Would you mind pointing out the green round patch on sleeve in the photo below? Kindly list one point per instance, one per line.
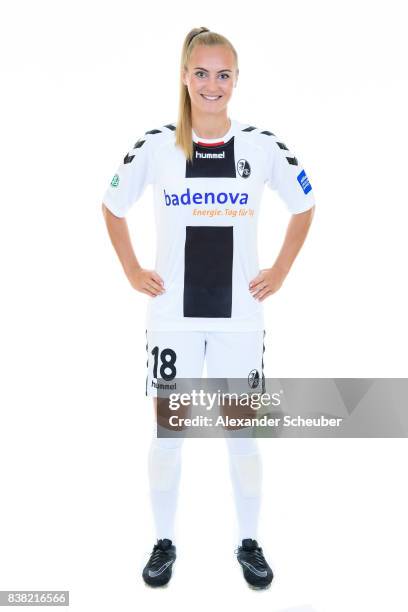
(115, 180)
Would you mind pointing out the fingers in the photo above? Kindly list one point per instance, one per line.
(157, 278)
(259, 287)
(155, 281)
(148, 292)
(262, 292)
(154, 289)
(153, 285)
(265, 294)
(255, 282)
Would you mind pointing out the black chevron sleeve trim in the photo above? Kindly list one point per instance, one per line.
(292, 160)
(170, 126)
(153, 132)
(282, 145)
(267, 133)
(128, 158)
(139, 143)
(249, 129)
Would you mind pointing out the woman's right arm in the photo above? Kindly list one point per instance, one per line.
(145, 281)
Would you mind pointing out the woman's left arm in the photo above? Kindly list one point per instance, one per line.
(269, 280)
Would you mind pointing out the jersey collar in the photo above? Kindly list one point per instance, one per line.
(213, 142)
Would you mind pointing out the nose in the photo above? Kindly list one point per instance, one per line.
(213, 86)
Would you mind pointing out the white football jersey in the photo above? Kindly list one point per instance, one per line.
(206, 214)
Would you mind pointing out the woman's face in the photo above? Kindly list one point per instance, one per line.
(210, 77)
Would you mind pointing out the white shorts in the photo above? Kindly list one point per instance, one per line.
(181, 354)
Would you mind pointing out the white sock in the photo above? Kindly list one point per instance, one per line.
(246, 475)
(164, 468)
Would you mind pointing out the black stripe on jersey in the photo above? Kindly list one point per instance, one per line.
(249, 129)
(268, 133)
(208, 256)
(282, 145)
(170, 126)
(204, 165)
(292, 160)
(153, 132)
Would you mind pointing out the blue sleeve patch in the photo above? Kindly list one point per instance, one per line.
(304, 182)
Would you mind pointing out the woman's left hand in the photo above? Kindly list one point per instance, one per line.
(267, 282)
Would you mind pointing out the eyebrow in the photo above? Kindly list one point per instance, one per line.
(205, 69)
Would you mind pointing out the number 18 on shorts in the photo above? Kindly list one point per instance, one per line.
(173, 355)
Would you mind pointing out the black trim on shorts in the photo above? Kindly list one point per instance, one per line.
(263, 375)
(147, 362)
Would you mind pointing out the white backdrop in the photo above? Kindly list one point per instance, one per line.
(81, 82)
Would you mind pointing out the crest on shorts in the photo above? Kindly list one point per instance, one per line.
(253, 379)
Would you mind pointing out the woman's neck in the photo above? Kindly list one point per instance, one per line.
(213, 127)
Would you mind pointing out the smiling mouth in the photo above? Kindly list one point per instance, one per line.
(210, 98)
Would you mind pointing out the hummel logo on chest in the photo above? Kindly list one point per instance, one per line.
(210, 155)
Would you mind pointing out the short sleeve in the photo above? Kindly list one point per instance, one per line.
(131, 179)
(286, 175)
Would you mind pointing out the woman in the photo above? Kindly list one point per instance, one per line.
(208, 173)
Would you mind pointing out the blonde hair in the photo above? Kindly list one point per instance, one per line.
(196, 36)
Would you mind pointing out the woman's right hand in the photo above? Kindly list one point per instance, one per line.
(146, 281)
